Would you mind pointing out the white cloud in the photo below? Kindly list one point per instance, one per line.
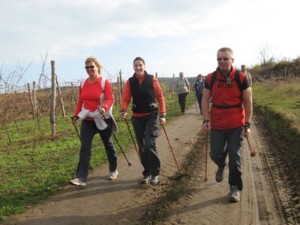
(174, 35)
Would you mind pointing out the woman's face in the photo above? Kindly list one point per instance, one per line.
(91, 69)
(139, 68)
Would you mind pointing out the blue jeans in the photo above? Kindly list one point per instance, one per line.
(88, 130)
(146, 131)
(228, 142)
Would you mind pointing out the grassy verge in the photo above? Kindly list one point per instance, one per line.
(279, 103)
(34, 165)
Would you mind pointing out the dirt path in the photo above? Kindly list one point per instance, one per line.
(126, 201)
(207, 203)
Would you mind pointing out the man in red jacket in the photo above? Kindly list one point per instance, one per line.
(229, 118)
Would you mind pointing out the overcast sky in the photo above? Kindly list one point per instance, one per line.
(171, 35)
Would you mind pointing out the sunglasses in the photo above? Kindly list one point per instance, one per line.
(228, 82)
(89, 67)
(224, 59)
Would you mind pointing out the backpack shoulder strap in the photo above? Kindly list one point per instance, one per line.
(103, 90)
(213, 79)
(103, 84)
(186, 82)
(237, 78)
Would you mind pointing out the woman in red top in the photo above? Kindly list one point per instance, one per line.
(145, 92)
(94, 108)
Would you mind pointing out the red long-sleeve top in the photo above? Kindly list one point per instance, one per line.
(89, 96)
(158, 94)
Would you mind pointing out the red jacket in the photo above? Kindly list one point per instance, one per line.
(227, 109)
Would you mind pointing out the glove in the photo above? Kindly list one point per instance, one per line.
(162, 119)
(123, 114)
(206, 124)
(246, 129)
(74, 119)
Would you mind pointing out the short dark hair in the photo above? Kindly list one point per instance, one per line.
(139, 59)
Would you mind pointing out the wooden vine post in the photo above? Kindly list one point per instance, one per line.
(74, 93)
(120, 85)
(33, 100)
(53, 99)
(60, 98)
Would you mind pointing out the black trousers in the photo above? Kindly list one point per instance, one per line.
(146, 130)
(88, 130)
(199, 100)
(182, 101)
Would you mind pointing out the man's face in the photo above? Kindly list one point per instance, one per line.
(225, 60)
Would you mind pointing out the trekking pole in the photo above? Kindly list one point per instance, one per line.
(132, 139)
(252, 151)
(129, 164)
(170, 147)
(196, 103)
(77, 132)
(206, 154)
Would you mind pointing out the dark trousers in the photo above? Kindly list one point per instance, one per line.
(199, 100)
(228, 142)
(88, 130)
(146, 131)
(182, 101)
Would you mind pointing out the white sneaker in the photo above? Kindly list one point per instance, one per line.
(78, 182)
(154, 180)
(234, 194)
(113, 175)
(146, 179)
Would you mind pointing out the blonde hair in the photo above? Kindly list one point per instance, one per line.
(96, 61)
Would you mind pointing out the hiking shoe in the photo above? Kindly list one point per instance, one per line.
(234, 194)
(220, 174)
(154, 180)
(78, 182)
(113, 175)
(146, 179)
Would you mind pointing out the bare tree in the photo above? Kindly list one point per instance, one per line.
(43, 79)
(266, 57)
(12, 81)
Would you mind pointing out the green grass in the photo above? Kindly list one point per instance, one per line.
(279, 102)
(34, 165)
(283, 98)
